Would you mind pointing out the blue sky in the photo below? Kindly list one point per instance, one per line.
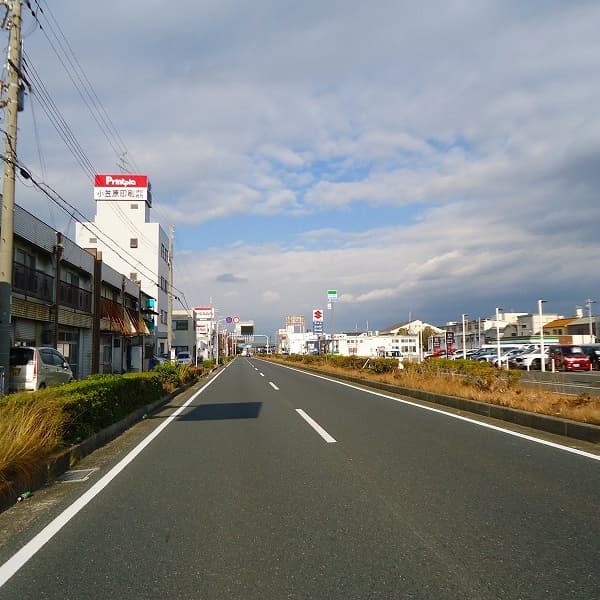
(431, 158)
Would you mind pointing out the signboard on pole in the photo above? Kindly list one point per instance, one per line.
(318, 320)
(332, 295)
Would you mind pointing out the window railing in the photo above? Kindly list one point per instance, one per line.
(74, 297)
(32, 282)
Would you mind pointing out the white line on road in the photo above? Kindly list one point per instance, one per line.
(262, 374)
(523, 436)
(13, 564)
(316, 427)
(273, 385)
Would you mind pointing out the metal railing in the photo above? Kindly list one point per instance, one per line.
(32, 282)
(74, 297)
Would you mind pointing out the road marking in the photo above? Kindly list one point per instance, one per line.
(256, 368)
(524, 436)
(13, 564)
(262, 374)
(316, 427)
(273, 385)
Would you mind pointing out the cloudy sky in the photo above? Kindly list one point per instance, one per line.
(423, 158)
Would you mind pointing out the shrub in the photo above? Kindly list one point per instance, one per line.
(99, 401)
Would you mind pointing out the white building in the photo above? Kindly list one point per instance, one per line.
(130, 242)
(368, 344)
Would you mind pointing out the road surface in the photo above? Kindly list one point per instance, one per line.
(272, 484)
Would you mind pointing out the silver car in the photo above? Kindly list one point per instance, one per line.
(34, 368)
(184, 358)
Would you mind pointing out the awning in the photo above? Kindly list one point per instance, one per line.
(139, 325)
(112, 318)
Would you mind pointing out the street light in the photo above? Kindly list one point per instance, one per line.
(498, 334)
(589, 303)
(464, 344)
(542, 356)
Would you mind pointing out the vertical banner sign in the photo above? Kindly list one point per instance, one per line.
(318, 320)
(332, 295)
(450, 348)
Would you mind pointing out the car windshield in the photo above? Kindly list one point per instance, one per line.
(183, 355)
(574, 350)
(20, 356)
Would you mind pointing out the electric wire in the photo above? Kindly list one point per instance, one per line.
(89, 225)
(56, 118)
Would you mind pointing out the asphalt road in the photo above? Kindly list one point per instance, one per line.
(240, 497)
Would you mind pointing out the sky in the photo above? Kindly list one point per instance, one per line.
(425, 159)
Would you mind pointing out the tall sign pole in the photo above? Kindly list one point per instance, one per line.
(8, 191)
(170, 294)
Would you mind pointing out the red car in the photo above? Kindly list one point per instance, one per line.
(569, 358)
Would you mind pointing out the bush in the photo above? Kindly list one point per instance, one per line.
(101, 400)
(479, 374)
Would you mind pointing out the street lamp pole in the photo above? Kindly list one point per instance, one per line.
(589, 303)
(542, 353)
(498, 334)
(464, 338)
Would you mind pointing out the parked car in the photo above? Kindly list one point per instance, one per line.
(593, 351)
(184, 358)
(530, 360)
(157, 359)
(34, 368)
(569, 358)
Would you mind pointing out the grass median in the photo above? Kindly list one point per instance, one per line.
(472, 380)
(35, 426)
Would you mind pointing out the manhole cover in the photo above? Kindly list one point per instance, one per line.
(76, 475)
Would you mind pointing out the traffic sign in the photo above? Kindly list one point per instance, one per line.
(332, 295)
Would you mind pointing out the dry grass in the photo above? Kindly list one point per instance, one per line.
(29, 431)
(583, 408)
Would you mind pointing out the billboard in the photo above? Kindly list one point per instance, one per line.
(204, 313)
(122, 187)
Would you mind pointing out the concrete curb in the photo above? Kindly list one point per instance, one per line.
(565, 427)
(55, 466)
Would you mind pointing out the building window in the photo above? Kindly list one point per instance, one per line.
(93, 241)
(133, 206)
(133, 243)
(180, 325)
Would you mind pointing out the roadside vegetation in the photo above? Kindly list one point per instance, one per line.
(35, 426)
(473, 380)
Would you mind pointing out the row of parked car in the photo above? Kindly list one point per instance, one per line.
(560, 357)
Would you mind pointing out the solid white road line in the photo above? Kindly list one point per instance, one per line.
(13, 564)
(523, 436)
(273, 385)
(316, 426)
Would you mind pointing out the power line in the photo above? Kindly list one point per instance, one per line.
(54, 115)
(57, 199)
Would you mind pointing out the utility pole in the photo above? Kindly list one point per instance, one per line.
(170, 294)
(8, 191)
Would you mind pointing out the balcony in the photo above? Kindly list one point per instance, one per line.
(74, 297)
(32, 282)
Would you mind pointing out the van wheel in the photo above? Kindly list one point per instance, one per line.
(42, 386)
(536, 364)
